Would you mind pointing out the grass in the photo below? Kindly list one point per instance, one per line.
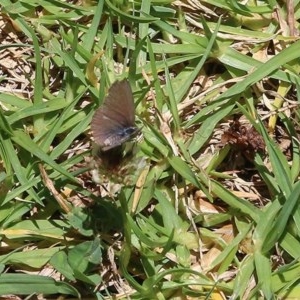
(206, 206)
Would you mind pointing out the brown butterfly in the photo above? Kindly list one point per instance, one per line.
(113, 123)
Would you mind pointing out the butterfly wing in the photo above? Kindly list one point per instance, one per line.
(120, 103)
(113, 122)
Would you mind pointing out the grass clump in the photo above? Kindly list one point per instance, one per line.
(212, 211)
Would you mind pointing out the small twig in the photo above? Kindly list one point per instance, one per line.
(49, 184)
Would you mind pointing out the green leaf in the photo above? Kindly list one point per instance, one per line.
(23, 284)
(24, 141)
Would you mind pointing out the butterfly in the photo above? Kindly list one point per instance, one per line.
(114, 122)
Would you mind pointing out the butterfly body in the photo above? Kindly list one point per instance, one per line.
(117, 138)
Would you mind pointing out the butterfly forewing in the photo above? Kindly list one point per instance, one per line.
(113, 122)
(119, 103)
